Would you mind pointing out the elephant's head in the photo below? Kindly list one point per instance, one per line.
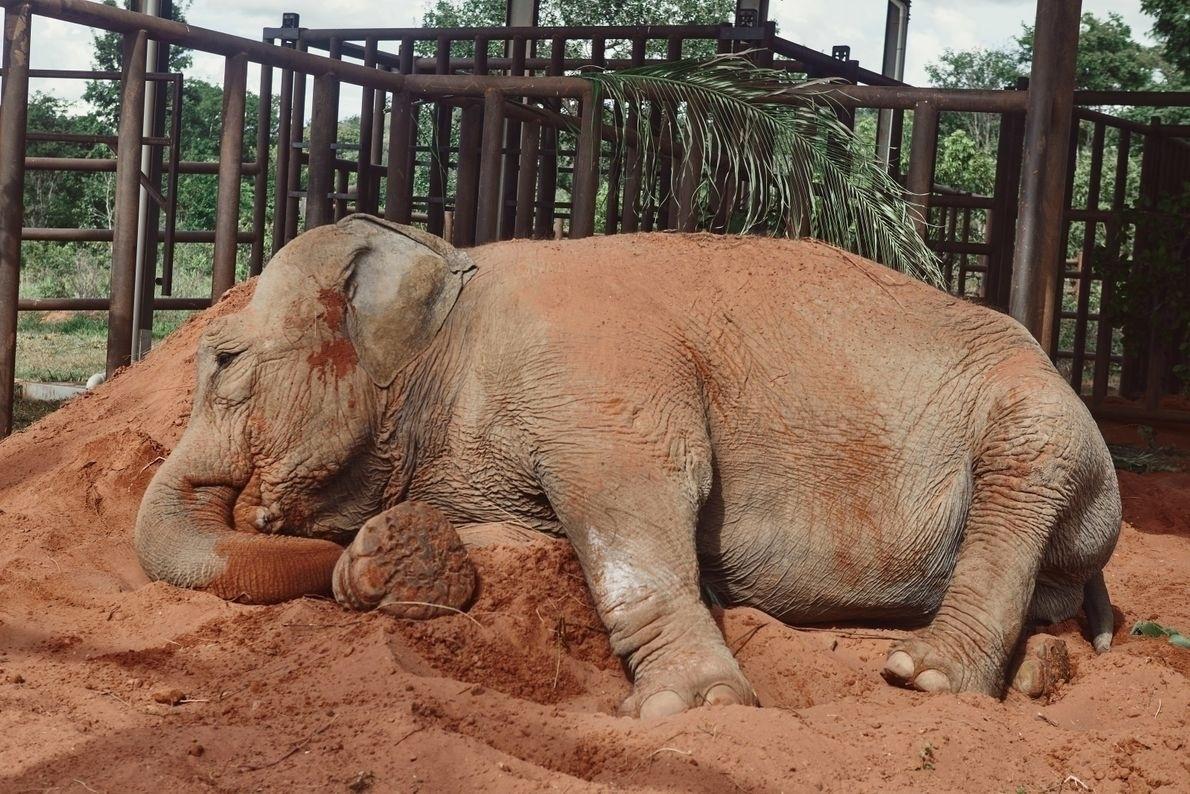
(290, 446)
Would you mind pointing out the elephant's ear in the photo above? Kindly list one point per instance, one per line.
(400, 285)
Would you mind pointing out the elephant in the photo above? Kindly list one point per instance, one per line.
(707, 419)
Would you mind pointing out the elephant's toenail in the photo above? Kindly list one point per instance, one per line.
(721, 695)
(932, 681)
(899, 665)
(367, 543)
(662, 704)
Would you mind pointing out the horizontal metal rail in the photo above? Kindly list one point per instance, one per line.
(103, 304)
(57, 235)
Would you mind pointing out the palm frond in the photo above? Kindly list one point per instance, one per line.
(758, 159)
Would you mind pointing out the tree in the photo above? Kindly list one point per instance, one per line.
(1171, 26)
(1108, 57)
(108, 55)
(486, 13)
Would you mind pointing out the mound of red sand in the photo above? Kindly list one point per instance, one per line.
(110, 683)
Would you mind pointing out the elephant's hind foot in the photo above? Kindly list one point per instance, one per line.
(407, 561)
(1044, 665)
(681, 682)
(924, 663)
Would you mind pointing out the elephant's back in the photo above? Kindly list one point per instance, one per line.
(793, 299)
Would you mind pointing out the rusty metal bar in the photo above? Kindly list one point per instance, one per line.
(399, 186)
(109, 165)
(323, 131)
(489, 163)
(1037, 257)
(547, 182)
(923, 150)
(472, 126)
(103, 304)
(66, 235)
(260, 183)
(123, 273)
(1001, 231)
(440, 148)
(284, 137)
(527, 180)
(342, 188)
(15, 106)
(294, 179)
(1111, 253)
(1088, 252)
(171, 186)
(586, 168)
(688, 184)
(512, 151)
(231, 154)
(151, 182)
(364, 179)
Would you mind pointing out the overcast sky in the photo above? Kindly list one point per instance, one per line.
(934, 25)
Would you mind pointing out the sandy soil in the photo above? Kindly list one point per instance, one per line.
(110, 683)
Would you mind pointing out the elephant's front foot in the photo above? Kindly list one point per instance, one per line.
(407, 561)
(929, 663)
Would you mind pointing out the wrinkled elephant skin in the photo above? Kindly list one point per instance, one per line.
(774, 423)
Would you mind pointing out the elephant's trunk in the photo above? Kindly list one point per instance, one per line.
(184, 536)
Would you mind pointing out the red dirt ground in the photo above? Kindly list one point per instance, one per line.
(518, 695)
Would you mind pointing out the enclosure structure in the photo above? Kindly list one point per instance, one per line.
(486, 134)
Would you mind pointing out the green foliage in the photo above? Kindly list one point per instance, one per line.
(804, 170)
(1171, 26)
(1108, 57)
(964, 165)
(1151, 628)
(488, 13)
(108, 55)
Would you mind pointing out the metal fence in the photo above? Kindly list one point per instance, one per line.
(484, 134)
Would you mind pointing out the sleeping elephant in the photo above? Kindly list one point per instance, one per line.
(760, 422)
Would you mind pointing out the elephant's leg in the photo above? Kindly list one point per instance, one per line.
(1023, 481)
(633, 531)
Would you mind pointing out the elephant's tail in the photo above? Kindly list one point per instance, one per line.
(1101, 621)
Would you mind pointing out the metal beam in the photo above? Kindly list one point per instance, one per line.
(1037, 260)
(123, 275)
(14, 103)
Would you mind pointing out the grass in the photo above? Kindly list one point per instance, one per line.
(26, 412)
(70, 347)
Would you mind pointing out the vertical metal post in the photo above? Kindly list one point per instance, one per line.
(14, 103)
(512, 150)
(586, 168)
(923, 150)
(440, 149)
(1111, 254)
(284, 149)
(487, 222)
(1037, 258)
(399, 175)
(367, 129)
(260, 183)
(323, 130)
(297, 130)
(467, 190)
(123, 275)
(231, 157)
(1086, 276)
(171, 202)
(1001, 231)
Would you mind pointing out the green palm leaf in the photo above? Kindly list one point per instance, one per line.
(779, 161)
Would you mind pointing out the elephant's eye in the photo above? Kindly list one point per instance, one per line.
(224, 357)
